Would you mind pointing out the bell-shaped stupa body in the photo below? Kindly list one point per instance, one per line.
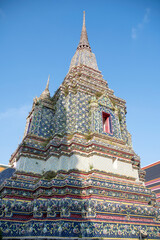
(83, 54)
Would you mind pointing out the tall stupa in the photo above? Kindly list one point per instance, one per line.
(77, 175)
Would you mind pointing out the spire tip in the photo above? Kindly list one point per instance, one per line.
(84, 44)
(48, 81)
(83, 18)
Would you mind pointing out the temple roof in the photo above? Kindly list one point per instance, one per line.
(83, 54)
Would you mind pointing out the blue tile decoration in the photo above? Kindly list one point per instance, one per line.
(77, 204)
(59, 208)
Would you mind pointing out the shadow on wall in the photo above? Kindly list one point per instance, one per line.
(5, 174)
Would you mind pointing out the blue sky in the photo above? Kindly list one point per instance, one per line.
(38, 38)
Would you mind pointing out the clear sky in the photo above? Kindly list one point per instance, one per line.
(38, 38)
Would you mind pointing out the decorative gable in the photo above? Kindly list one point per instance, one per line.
(105, 101)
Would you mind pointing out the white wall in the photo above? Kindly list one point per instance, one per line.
(78, 162)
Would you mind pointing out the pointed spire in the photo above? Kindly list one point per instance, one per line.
(47, 86)
(84, 20)
(84, 38)
(46, 93)
(83, 54)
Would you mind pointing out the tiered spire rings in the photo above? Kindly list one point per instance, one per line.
(84, 38)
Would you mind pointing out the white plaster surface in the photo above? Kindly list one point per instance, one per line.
(77, 162)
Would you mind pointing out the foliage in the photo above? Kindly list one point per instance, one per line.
(66, 91)
(69, 137)
(120, 117)
(98, 94)
(88, 136)
(49, 175)
(79, 74)
(91, 166)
